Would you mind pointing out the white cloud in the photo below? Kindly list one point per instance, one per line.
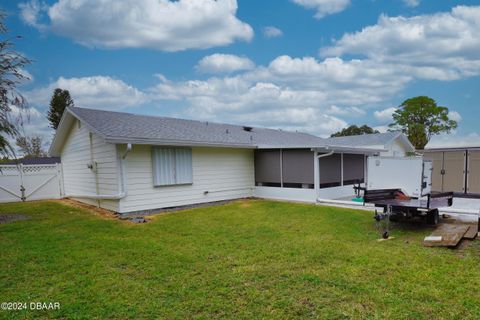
(304, 93)
(442, 46)
(341, 76)
(345, 111)
(224, 63)
(272, 32)
(454, 115)
(324, 7)
(162, 24)
(454, 140)
(293, 119)
(412, 3)
(293, 93)
(100, 92)
(385, 114)
(92, 92)
(30, 13)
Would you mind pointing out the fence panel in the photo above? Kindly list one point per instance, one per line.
(30, 182)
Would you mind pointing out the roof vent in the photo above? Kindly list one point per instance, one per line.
(248, 129)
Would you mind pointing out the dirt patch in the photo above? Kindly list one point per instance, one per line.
(104, 213)
(152, 214)
(157, 212)
(245, 203)
(6, 218)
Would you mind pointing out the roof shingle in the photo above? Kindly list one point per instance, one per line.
(132, 127)
(373, 139)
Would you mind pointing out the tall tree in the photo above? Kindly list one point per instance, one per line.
(420, 118)
(12, 75)
(61, 99)
(31, 146)
(353, 130)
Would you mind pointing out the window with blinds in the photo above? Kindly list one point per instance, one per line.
(172, 166)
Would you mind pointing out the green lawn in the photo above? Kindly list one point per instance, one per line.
(248, 259)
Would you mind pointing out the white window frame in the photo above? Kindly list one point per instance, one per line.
(185, 180)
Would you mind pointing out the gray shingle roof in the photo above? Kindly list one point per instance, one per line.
(374, 139)
(126, 127)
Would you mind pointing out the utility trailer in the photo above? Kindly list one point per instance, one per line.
(402, 188)
(397, 206)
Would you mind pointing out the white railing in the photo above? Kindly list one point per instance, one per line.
(30, 182)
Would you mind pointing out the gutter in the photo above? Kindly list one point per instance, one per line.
(182, 143)
(344, 149)
(118, 196)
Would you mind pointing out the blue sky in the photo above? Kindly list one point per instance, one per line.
(308, 65)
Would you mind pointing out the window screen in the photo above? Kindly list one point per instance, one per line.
(172, 166)
(330, 171)
(267, 166)
(297, 166)
(353, 168)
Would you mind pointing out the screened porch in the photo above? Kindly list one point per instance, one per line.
(307, 174)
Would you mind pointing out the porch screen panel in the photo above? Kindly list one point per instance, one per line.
(330, 171)
(353, 168)
(297, 166)
(267, 166)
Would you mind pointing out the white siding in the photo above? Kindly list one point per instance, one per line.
(288, 194)
(78, 178)
(395, 149)
(224, 172)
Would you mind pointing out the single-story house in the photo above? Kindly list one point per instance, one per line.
(136, 163)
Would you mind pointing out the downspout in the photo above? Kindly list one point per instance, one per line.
(324, 155)
(122, 194)
(93, 166)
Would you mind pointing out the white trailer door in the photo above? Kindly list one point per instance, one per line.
(396, 173)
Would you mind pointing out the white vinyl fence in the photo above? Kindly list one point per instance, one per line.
(30, 182)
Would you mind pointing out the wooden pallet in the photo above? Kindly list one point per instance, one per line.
(447, 235)
(472, 232)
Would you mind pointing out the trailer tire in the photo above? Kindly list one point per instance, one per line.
(433, 217)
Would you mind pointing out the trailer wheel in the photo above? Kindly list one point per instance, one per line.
(433, 217)
(385, 235)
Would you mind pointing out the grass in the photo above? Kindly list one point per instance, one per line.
(248, 259)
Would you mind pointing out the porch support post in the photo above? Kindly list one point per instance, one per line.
(281, 168)
(341, 169)
(365, 174)
(316, 173)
